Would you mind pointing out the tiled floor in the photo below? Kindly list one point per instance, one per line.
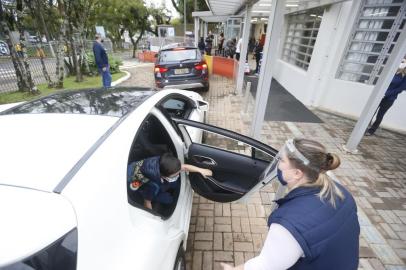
(376, 177)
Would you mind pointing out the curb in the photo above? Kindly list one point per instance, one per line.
(126, 77)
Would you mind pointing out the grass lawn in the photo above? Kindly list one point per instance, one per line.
(68, 83)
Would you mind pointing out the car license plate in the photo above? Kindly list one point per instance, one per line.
(181, 71)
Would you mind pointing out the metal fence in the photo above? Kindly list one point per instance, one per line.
(8, 78)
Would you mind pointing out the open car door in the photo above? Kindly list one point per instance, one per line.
(240, 165)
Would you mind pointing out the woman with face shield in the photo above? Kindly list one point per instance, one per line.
(315, 225)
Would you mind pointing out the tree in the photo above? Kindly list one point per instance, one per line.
(9, 22)
(35, 11)
(194, 5)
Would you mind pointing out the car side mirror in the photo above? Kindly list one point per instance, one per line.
(203, 106)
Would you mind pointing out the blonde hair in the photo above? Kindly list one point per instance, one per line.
(319, 163)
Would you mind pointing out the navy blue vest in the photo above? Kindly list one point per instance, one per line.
(328, 236)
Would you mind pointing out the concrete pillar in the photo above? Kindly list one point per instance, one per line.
(244, 49)
(196, 30)
(275, 23)
(205, 30)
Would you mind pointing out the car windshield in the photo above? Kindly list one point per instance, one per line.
(178, 55)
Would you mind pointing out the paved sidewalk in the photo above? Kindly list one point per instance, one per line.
(376, 177)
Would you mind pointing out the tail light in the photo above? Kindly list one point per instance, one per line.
(159, 69)
(201, 66)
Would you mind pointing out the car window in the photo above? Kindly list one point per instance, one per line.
(62, 255)
(225, 143)
(178, 55)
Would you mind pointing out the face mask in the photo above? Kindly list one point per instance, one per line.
(171, 179)
(280, 178)
(402, 65)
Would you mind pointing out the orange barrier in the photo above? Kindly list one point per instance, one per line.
(224, 66)
(146, 56)
(217, 65)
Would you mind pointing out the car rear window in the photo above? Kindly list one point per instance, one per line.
(178, 55)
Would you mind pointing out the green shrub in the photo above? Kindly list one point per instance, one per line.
(114, 62)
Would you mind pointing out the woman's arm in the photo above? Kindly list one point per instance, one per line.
(280, 251)
(191, 168)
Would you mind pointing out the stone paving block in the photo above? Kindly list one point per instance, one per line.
(205, 213)
(238, 258)
(386, 254)
(222, 228)
(209, 226)
(243, 246)
(207, 260)
(228, 243)
(248, 255)
(206, 206)
(257, 242)
(205, 236)
(242, 237)
(226, 210)
(218, 209)
(366, 252)
(223, 256)
(236, 224)
(197, 260)
(372, 235)
(218, 241)
(222, 220)
(203, 245)
(388, 230)
(258, 221)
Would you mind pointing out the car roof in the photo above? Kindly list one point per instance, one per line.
(112, 102)
(177, 46)
(42, 140)
(38, 150)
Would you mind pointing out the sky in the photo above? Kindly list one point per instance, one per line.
(167, 4)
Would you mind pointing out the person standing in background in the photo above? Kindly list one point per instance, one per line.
(397, 85)
(102, 61)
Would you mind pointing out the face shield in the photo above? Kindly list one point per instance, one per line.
(288, 150)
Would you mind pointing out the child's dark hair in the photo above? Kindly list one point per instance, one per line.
(168, 164)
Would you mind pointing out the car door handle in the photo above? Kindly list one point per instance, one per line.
(204, 160)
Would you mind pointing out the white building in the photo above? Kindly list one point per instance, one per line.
(331, 53)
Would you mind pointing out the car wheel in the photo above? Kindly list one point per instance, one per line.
(180, 262)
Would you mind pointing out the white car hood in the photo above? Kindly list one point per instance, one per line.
(30, 221)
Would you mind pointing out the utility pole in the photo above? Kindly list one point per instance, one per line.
(184, 15)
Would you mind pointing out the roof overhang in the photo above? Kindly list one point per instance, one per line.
(209, 17)
(260, 8)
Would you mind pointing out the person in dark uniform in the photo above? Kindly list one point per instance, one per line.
(397, 85)
(102, 61)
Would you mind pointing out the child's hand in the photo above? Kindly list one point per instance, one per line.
(205, 172)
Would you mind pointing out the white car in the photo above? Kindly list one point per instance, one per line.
(65, 202)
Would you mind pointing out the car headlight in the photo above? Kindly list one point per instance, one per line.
(61, 255)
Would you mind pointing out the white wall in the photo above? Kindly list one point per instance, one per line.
(318, 86)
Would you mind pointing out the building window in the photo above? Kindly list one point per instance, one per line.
(374, 35)
(301, 34)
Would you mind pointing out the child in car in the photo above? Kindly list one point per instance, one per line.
(155, 178)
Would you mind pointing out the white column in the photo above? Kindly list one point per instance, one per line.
(244, 49)
(196, 31)
(275, 22)
(378, 92)
(205, 30)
